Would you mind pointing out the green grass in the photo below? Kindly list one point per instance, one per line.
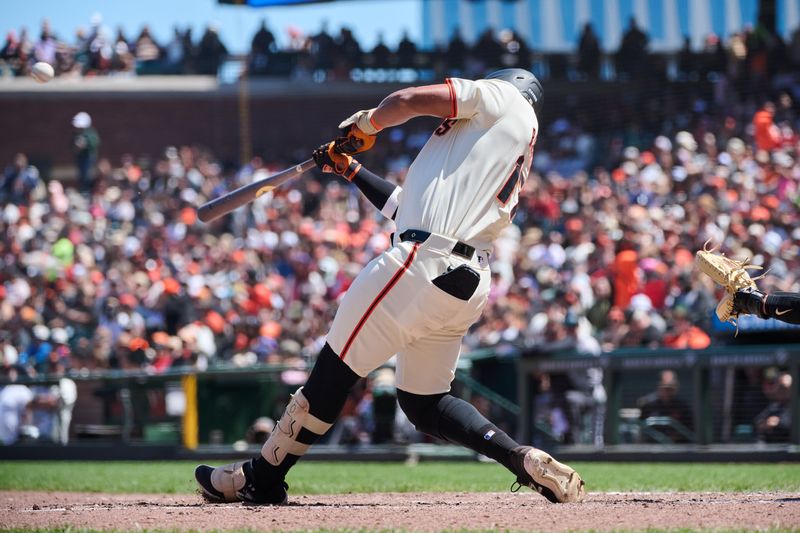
(176, 477)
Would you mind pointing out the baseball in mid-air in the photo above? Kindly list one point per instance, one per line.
(42, 72)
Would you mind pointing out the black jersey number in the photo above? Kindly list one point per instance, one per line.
(511, 182)
(445, 126)
(516, 177)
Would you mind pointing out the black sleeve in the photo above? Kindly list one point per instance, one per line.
(376, 189)
(784, 306)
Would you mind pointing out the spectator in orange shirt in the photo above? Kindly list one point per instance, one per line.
(626, 277)
(766, 133)
(685, 335)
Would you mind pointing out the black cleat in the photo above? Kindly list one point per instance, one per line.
(202, 474)
(235, 482)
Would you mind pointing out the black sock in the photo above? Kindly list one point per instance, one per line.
(452, 419)
(461, 423)
(784, 306)
(326, 390)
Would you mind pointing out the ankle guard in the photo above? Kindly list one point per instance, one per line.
(229, 479)
(283, 439)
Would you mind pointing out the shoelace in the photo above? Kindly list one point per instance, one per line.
(517, 485)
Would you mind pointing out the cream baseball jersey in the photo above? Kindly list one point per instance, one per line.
(465, 182)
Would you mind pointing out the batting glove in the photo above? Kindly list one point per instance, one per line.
(329, 160)
(354, 141)
(362, 120)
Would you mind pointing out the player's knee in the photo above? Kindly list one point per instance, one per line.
(422, 410)
(330, 371)
(330, 382)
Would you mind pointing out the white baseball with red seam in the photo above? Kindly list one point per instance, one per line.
(42, 72)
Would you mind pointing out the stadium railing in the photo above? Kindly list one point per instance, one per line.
(709, 387)
(183, 408)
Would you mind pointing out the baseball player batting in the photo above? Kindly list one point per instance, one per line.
(418, 298)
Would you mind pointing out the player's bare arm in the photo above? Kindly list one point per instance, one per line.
(395, 109)
(403, 105)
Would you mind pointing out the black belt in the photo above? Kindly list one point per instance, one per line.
(464, 250)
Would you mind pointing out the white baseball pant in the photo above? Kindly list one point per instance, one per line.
(393, 308)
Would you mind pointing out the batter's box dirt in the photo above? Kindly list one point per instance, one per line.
(410, 511)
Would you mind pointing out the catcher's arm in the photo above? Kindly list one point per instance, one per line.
(730, 274)
(381, 193)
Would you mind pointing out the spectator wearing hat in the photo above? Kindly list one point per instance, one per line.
(37, 353)
(773, 424)
(641, 331)
(684, 334)
(665, 403)
(60, 340)
(85, 144)
(18, 181)
(9, 355)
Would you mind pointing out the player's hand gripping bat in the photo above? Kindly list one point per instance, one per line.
(353, 142)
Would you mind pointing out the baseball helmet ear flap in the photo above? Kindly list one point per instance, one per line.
(526, 83)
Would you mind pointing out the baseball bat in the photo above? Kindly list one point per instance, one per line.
(247, 193)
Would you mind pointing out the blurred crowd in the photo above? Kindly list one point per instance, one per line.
(96, 52)
(113, 271)
(605, 258)
(753, 54)
(121, 275)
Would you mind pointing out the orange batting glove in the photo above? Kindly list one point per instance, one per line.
(329, 160)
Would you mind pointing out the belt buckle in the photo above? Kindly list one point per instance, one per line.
(459, 246)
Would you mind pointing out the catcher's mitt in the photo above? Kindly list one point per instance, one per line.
(729, 273)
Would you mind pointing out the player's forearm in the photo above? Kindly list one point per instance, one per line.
(784, 306)
(405, 104)
(381, 193)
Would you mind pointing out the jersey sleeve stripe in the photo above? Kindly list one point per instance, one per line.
(390, 208)
(453, 101)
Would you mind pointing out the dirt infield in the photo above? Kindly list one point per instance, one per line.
(418, 512)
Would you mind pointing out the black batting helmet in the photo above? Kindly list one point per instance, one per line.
(527, 84)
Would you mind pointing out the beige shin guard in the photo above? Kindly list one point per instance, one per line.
(283, 439)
